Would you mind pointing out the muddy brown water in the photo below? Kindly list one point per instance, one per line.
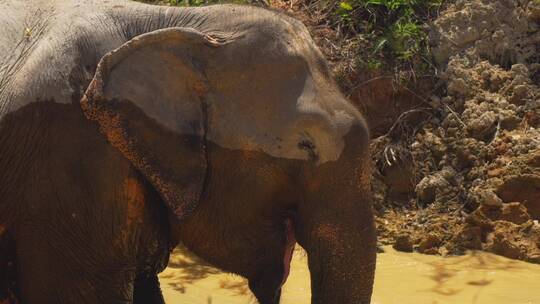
(401, 278)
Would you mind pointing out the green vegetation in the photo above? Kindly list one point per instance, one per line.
(395, 29)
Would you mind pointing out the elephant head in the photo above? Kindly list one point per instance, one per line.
(251, 146)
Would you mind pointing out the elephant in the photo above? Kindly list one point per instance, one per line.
(127, 129)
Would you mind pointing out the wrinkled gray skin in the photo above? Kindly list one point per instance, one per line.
(126, 128)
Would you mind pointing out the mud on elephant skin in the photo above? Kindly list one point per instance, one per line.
(127, 128)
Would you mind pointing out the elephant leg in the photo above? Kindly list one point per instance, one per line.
(8, 287)
(147, 290)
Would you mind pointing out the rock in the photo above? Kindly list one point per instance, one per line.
(521, 92)
(515, 213)
(479, 219)
(535, 233)
(498, 243)
(469, 237)
(403, 243)
(485, 215)
(533, 159)
(533, 257)
(428, 243)
(515, 241)
(489, 198)
(524, 188)
(431, 251)
(510, 121)
(433, 185)
(484, 126)
(520, 70)
(426, 189)
(503, 241)
(478, 196)
(435, 144)
(443, 251)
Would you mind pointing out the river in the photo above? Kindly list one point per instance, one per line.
(401, 278)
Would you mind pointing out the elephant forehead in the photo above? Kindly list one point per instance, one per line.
(286, 120)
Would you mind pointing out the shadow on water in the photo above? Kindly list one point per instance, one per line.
(443, 270)
(239, 288)
(187, 269)
(192, 269)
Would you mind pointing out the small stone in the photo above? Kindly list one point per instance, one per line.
(533, 258)
(488, 198)
(403, 243)
(496, 172)
(431, 251)
(521, 92)
(483, 126)
(430, 241)
(443, 251)
(520, 69)
(433, 185)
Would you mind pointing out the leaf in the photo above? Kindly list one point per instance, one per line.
(380, 45)
(346, 6)
(375, 2)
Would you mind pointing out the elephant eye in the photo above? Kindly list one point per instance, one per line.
(309, 147)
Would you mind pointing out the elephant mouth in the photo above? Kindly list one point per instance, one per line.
(289, 250)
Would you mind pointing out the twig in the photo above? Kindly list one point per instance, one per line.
(401, 117)
(368, 81)
(447, 106)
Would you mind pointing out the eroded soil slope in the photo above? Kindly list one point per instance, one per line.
(468, 176)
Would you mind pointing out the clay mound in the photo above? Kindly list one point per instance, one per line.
(476, 162)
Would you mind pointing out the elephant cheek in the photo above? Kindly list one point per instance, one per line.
(134, 197)
(289, 250)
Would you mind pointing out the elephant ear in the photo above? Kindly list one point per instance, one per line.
(147, 97)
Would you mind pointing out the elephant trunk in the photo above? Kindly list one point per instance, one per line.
(335, 225)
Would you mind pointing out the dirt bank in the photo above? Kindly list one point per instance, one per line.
(473, 168)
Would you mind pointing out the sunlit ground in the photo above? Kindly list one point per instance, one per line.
(401, 278)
